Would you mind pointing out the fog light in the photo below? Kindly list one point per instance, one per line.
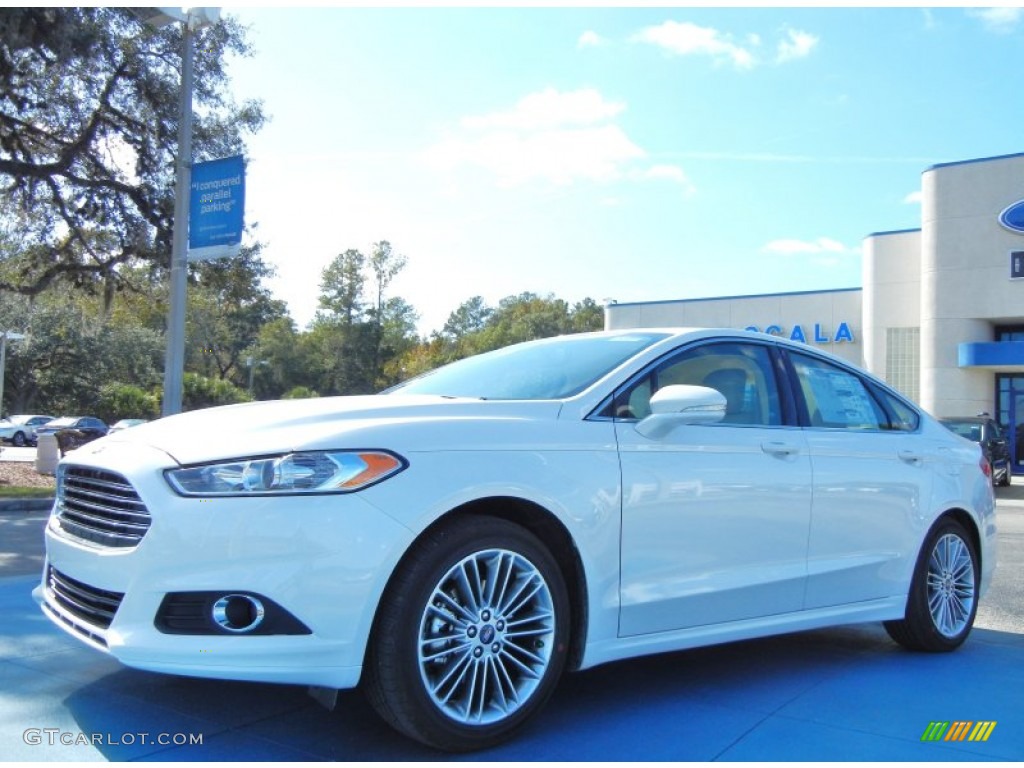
(238, 613)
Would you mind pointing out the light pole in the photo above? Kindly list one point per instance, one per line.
(4, 336)
(192, 20)
(251, 362)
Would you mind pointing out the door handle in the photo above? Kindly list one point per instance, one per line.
(778, 448)
(910, 457)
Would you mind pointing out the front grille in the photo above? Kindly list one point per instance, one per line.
(92, 607)
(101, 507)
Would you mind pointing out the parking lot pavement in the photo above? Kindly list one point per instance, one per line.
(829, 695)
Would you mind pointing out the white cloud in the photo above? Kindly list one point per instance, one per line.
(914, 198)
(590, 39)
(796, 45)
(672, 173)
(1002, 20)
(790, 247)
(550, 108)
(551, 136)
(559, 156)
(686, 39)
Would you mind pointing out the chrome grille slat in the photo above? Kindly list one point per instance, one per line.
(85, 496)
(136, 529)
(81, 504)
(109, 482)
(101, 507)
(95, 607)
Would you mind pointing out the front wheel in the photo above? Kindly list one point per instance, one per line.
(19, 439)
(471, 637)
(943, 598)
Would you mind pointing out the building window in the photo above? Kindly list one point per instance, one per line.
(903, 361)
(1009, 333)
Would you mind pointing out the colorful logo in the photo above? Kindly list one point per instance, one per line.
(959, 730)
(1013, 217)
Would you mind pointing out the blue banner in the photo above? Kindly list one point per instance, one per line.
(216, 208)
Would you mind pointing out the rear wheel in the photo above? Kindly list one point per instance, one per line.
(943, 598)
(471, 637)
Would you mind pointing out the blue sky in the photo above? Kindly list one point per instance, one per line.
(634, 154)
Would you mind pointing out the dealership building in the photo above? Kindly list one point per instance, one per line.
(939, 314)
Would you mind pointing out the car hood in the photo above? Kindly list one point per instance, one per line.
(371, 421)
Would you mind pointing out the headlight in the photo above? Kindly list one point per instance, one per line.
(306, 472)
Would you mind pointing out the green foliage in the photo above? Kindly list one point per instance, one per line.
(70, 354)
(474, 327)
(355, 336)
(299, 393)
(126, 401)
(228, 305)
(341, 289)
(202, 392)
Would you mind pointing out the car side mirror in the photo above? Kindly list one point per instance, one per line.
(679, 404)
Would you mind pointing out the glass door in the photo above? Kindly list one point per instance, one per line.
(1011, 415)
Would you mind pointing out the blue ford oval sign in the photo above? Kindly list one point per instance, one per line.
(1013, 217)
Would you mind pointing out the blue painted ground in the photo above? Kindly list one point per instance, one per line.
(834, 695)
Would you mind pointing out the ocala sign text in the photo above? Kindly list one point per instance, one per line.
(819, 336)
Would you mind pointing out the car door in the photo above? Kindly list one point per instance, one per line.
(93, 428)
(872, 480)
(715, 518)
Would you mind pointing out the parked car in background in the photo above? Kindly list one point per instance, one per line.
(986, 431)
(21, 430)
(454, 544)
(90, 426)
(74, 431)
(126, 424)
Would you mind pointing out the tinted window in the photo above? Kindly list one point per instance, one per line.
(741, 372)
(835, 397)
(538, 370)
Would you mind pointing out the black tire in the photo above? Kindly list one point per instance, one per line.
(943, 599)
(19, 439)
(456, 597)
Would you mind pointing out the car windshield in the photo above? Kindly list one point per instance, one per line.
(969, 429)
(548, 369)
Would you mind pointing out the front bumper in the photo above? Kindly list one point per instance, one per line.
(322, 559)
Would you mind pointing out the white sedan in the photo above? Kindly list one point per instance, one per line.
(21, 430)
(452, 545)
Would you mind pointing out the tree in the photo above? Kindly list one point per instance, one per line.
(470, 316)
(394, 319)
(70, 354)
(289, 364)
(587, 315)
(88, 135)
(202, 392)
(126, 401)
(474, 327)
(355, 337)
(228, 305)
(341, 288)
